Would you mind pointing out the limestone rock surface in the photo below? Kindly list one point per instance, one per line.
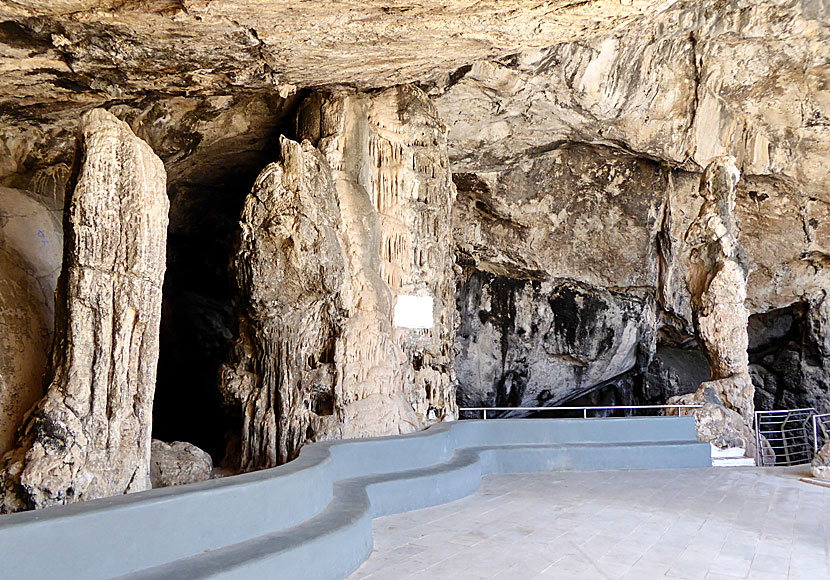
(30, 260)
(577, 132)
(524, 343)
(821, 463)
(290, 268)
(178, 463)
(717, 424)
(89, 436)
(332, 234)
(716, 280)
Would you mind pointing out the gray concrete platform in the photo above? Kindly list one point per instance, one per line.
(693, 524)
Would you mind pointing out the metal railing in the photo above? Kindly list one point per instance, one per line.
(786, 437)
(584, 410)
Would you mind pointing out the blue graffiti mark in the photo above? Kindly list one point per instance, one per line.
(42, 237)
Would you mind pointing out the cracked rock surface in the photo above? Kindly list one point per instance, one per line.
(89, 436)
(576, 136)
(330, 237)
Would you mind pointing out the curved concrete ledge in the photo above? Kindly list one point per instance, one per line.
(311, 519)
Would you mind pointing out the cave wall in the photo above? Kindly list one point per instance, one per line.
(576, 133)
(31, 247)
(528, 344)
(613, 224)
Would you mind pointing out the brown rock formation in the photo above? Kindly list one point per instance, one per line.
(90, 435)
(30, 259)
(389, 162)
(577, 135)
(290, 269)
(328, 239)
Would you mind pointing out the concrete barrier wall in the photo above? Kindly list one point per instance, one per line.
(312, 517)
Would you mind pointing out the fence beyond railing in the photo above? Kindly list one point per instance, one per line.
(584, 410)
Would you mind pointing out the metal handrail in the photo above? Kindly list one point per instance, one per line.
(584, 409)
(786, 433)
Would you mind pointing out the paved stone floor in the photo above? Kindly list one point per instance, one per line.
(700, 524)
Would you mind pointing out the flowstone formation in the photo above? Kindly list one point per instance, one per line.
(89, 436)
(332, 236)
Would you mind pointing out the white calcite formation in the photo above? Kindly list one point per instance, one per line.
(332, 233)
(89, 436)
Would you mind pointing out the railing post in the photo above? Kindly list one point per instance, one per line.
(485, 413)
(758, 455)
(584, 413)
(815, 435)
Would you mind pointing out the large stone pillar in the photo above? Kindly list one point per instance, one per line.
(335, 235)
(716, 280)
(290, 270)
(717, 284)
(89, 436)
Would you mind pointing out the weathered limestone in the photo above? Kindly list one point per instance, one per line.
(290, 270)
(543, 343)
(89, 436)
(329, 238)
(388, 157)
(716, 280)
(821, 463)
(178, 463)
(30, 261)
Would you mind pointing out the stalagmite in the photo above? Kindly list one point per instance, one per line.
(289, 269)
(89, 436)
(331, 238)
(388, 155)
(717, 284)
(716, 280)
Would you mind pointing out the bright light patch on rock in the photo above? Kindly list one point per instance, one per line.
(413, 311)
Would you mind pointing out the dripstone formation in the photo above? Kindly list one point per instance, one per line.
(89, 436)
(331, 235)
(716, 280)
(717, 283)
(538, 169)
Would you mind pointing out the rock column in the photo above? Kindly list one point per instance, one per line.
(331, 237)
(716, 280)
(290, 271)
(388, 155)
(717, 284)
(89, 436)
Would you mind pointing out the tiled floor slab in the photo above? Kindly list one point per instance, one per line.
(691, 524)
